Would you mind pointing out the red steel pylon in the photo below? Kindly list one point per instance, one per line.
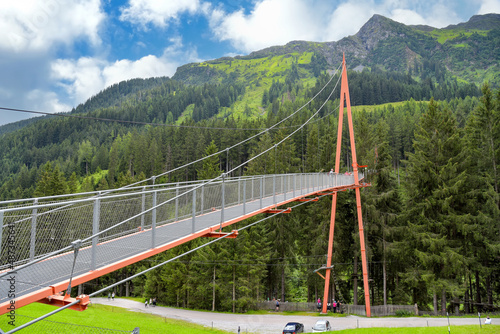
(344, 96)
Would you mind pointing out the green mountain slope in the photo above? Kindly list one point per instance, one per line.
(468, 51)
(392, 63)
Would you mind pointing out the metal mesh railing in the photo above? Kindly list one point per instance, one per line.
(113, 227)
(54, 327)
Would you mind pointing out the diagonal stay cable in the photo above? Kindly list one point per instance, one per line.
(193, 188)
(149, 269)
(105, 192)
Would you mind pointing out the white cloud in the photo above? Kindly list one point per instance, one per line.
(85, 77)
(347, 19)
(276, 22)
(489, 6)
(46, 101)
(36, 25)
(407, 16)
(271, 22)
(156, 12)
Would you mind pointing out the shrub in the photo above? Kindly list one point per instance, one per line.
(403, 313)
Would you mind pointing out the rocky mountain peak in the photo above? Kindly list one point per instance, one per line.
(376, 29)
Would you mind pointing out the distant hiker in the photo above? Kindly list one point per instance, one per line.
(487, 321)
(334, 306)
(150, 301)
(318, 304)
(146, 303)
(109, 295)
(331, 172)
(277, 305)
(154, 302)
(113, 296)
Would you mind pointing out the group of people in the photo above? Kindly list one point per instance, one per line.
(330, 306)
(152, 302)
(331, 173)
(111, 296)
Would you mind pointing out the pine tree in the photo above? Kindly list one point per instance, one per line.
(210, 167)
(434, 208)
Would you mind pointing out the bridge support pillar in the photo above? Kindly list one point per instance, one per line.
(344, 98)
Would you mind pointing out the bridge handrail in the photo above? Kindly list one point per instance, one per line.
(163, 188)
(315, 180)
(103, 193)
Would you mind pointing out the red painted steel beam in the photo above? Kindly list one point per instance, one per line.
(231, 235)
(60, 301)
(55, 289)
(287, 210)
(345, 98)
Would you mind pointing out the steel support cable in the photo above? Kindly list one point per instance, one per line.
(250, 138)
(147, 270)
(294, 132)
(105, 192)
(194, 188)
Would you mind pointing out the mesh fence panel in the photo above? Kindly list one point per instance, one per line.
(40, 230)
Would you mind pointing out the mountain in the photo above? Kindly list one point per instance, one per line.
(392, 63)
(468, 51)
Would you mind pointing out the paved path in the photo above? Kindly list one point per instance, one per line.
(274, 323)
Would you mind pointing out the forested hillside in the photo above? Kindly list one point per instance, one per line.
(426, 123)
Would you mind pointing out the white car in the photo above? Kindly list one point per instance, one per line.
(322, 326)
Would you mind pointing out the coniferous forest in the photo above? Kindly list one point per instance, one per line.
(431, 144)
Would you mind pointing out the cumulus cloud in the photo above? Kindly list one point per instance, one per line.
(85, 77)
(271, 22)
(46, 100)
(489, 6)
(36, 25)
(347, 19)
(158, 13)
(276, 22)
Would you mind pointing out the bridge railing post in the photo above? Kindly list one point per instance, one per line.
(244, 196)
(143, 207)
(202, 199)
(253, 181)
(194, 212)
(33, 231)
(274, 189)
(95, 230)
(285, 178)
(223, 199)
(177, 201)
(153, 217)
(294, 184)
(1, 229)
(239, 190)
(261, 190)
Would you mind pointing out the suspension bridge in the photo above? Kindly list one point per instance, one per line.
(49, 245)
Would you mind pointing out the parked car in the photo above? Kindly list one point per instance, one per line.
(293, 327)
(322, 326)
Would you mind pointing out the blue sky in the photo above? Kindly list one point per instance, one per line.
(55, 54)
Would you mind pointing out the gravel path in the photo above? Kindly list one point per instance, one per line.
(274, 323)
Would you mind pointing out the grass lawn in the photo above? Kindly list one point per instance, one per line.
(116, 318)
(102, 316)
(425, 330)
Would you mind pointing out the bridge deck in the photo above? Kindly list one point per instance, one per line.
(51, 276)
